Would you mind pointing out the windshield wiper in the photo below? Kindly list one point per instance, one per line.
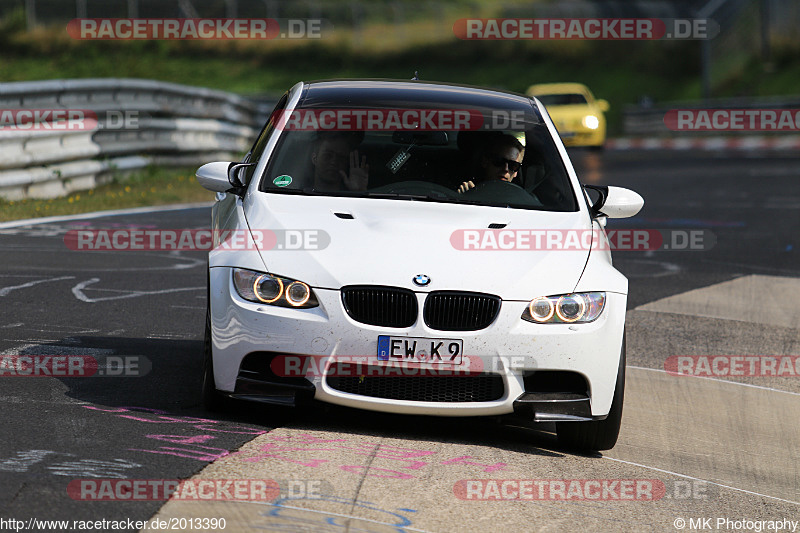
(401, 196)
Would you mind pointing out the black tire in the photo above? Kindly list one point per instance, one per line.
(598, 434)
(213, 400)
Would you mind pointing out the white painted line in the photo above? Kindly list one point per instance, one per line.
(57, 349)
(700, 479)
(620, 144)
(653, 144)
(55, 328)
(19, 276)
(101, 214)
(754, 146)
(5, 290)
(668, 269)
(77, 290)
(34, 341)
(715, 379)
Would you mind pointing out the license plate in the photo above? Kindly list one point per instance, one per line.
(420, 349)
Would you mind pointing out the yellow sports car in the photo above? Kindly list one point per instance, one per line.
(577, 115)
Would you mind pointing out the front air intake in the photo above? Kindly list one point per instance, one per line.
(390, 307)
(460, 311)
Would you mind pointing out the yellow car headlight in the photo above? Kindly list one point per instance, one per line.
(591, 122)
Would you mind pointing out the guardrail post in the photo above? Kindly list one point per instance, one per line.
(272, 8)
(765, 44)
(705, 59)
(231, 9)
(30, 14)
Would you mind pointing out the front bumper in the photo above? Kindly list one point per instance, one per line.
(530, 360)
(582, 137)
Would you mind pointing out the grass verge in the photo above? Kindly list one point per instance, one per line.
(153, 186)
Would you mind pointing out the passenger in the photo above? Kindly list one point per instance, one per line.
(336, 162)
(500, 159)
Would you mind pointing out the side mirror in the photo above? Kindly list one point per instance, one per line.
(222, 176)
(602, 105)
(615, 202)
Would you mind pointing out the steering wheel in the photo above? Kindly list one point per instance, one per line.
(503, 192)
(498, 186)
(494, 188)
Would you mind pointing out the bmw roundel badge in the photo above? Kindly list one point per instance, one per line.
(421, 280)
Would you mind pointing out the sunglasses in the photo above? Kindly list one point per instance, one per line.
(501, 162)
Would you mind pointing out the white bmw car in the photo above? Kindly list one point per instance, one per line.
(421, 248)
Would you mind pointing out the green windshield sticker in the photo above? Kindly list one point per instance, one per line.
(282, 181)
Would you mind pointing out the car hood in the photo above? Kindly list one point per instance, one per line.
(389, 242)
(573, 111)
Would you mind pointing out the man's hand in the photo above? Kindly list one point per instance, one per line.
(464, 187)
(358, 176)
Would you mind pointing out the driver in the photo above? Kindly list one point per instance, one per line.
(336, 162)
(500, 159)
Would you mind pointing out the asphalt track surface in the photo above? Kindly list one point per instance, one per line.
(723, 448)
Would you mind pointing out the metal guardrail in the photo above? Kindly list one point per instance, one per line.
(161, 123)
(180, 125)
(130, 94)
(649, 120)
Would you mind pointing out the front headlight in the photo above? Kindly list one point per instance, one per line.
(565, 309)
(264, 288)
(591, 122)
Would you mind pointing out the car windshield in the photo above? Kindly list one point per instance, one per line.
(562, 99)
(367, 153)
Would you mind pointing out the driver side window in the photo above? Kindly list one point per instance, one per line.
(261, 142)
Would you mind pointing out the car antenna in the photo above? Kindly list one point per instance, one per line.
(416, 75)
